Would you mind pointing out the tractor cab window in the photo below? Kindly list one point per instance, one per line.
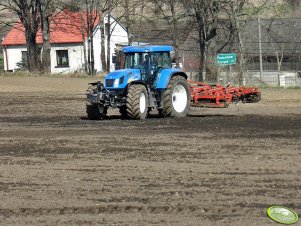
(136, 60)
(162, 60)
(142, 61)
(149, 64)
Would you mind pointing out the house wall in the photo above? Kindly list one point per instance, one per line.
(14, 54)
(118, 36)
(75, 55)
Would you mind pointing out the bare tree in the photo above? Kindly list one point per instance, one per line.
(234, 11)
(277, 37)
(108, 30)
(90, 16)
(28, 13)
(172, 12)
(46, 9)
(205, 15)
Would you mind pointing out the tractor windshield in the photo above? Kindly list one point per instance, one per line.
(147, 61)
(135, 60)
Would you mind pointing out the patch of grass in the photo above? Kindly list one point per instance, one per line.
(60, 75)
(294, 87)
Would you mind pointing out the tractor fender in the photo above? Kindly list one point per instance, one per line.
(165, 75)
(136, 82)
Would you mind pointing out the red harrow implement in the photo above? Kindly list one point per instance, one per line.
(217, 96)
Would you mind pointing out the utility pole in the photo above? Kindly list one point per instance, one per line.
(260, 49)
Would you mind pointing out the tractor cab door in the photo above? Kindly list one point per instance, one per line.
(158, 61)
(149, 68)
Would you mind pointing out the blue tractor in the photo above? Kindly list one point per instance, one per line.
(147, 81)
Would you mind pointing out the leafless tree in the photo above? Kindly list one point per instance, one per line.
(91, 16)
(29, 16)
(172, 12)
(205, 15)
(46, 9)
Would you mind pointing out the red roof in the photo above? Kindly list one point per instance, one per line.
(65, 27)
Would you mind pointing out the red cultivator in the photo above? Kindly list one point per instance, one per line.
(217, 96)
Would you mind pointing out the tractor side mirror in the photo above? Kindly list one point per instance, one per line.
(114, 59)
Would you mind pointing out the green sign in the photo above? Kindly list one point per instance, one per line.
(282, 215)
(226, 58)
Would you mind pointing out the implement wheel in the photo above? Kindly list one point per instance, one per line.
(176, 100)
(137, 102)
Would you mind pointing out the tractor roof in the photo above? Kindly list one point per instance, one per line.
(146, 49)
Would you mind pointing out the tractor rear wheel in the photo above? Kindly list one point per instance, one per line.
(137, 102)
(176, 100)
(95, 112)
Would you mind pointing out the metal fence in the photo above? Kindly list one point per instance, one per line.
(268, 78)
(285, 66)
(275, 78)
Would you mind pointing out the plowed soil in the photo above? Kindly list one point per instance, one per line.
(215, 167)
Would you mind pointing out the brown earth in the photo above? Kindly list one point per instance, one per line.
(215, 167)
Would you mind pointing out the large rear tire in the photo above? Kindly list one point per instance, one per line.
(95, 112)
(176, 100)
(137, 102)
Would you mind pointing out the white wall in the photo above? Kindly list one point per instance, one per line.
(118, 36)
(14, 54)
(75, 55)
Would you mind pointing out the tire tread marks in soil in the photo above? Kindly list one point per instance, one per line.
(168, 110)
(133, 101)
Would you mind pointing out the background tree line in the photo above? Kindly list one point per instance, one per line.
(209, 18)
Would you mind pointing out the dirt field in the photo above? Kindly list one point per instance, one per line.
(215, 167)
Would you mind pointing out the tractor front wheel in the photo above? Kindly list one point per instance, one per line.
(176, 101)
(137, 102)
(95, 112)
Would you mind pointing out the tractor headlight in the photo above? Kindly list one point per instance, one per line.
(121, 80)
(116, 83)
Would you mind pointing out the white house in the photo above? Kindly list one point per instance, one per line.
(67, 40)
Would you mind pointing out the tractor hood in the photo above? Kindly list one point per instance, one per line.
(120, 78)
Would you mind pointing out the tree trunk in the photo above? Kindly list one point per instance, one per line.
(83, 28)
(202, 65)
(33, 52)
(44, 12)
(103, 48)
(91, 32)
(88, 35)
(108, 28)
(175, 33)
(128, 23)
(46, 60)
(242, 63)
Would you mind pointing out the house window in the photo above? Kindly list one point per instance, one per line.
(62, 58)
(24, 57)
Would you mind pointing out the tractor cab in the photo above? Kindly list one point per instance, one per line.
(149, 64)
(150, 60)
